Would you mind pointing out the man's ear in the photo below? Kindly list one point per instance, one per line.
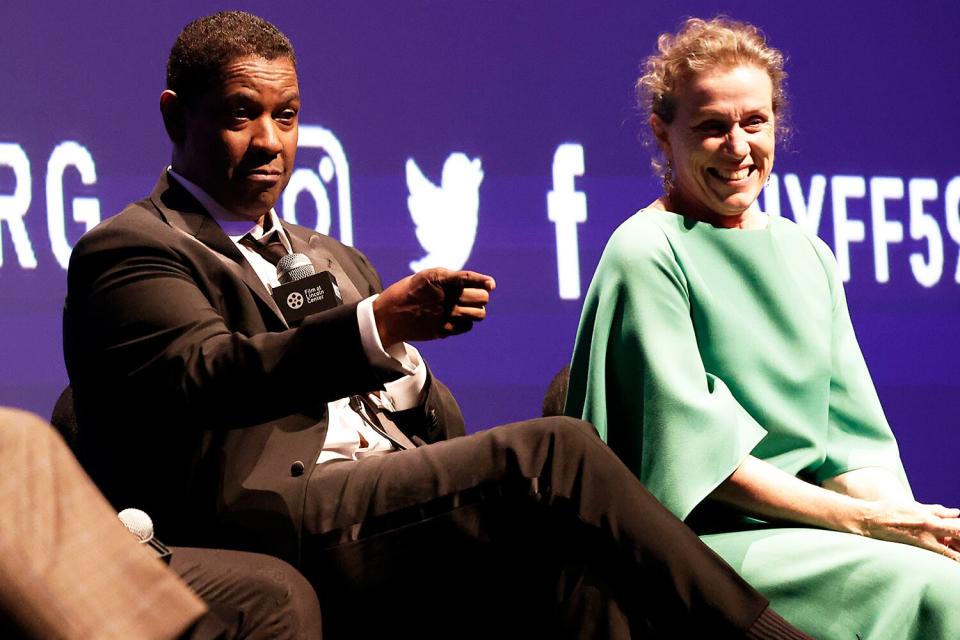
(174, 118)
(659, 128)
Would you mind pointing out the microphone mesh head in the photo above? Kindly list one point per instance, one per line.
(293, 267)
(138, 523)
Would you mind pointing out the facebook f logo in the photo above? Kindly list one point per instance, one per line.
(565, 208)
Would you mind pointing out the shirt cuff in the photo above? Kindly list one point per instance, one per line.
(406, 392)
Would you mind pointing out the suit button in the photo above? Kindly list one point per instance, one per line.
(296, 469)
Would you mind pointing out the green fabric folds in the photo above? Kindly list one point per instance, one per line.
(698, 346)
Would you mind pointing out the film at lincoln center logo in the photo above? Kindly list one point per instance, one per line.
(295, 300)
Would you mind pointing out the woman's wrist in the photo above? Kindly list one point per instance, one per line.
(856, 515)
(839, 512)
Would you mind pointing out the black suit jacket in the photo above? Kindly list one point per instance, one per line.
(195, 401)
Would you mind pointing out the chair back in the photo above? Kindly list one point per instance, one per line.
(556, 395)
(64, 418)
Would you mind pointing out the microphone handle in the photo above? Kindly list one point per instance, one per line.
(163, 551)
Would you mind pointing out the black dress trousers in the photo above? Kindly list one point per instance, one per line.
(529, 530)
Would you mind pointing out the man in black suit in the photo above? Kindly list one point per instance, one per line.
(331, 444)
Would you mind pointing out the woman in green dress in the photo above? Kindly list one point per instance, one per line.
(715, 354)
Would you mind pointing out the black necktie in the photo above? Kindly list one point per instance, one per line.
(368, 413)
(269, 246)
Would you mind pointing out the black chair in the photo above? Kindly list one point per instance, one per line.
(64, 418)
(556, 394)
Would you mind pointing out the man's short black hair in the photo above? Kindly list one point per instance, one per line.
(207, 44)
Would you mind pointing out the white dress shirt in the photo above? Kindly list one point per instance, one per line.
(349, 437)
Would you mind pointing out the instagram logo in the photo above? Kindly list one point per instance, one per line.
(329, 182)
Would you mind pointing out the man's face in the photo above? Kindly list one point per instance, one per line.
(240, 138)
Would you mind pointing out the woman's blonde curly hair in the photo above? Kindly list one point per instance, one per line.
(703, 45)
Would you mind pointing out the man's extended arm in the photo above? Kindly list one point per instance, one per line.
(151, 310)
(145, 316)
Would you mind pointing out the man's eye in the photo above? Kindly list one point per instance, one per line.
(754, 125)
(287, 115)
(240, 113)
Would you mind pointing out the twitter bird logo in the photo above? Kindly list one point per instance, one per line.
(445, 216)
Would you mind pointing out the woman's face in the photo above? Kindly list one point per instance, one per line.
(721, 141)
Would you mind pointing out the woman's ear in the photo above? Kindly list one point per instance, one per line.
(174, 119)
(659, 128)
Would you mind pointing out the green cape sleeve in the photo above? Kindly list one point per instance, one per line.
(637, 374)
(858, 434)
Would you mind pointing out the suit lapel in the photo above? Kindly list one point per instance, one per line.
(182, 212)
(323, 260)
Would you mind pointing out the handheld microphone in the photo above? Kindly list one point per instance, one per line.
(302, 290)
(293, 267)
(139, 524)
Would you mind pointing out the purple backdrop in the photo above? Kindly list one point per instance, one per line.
(873, 96)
